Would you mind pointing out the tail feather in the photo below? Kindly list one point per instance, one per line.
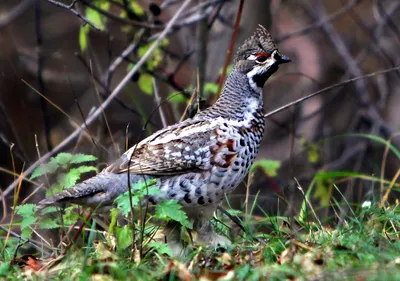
(98, 190)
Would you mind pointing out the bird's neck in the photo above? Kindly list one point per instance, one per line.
(239, 100)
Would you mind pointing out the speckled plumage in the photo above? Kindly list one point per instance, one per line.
(198, 160)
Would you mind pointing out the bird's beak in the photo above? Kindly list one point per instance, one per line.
(284, 59)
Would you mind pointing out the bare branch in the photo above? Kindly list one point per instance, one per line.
(321, 22)
(230, 49)
(107, 102)
(15, 12)
(330, 88)
(75, 12)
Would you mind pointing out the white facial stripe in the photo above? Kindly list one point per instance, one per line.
(250, 75)
(252, 57)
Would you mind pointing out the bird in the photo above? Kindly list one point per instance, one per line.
(199, 160)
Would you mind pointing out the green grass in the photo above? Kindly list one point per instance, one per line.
(363, 245)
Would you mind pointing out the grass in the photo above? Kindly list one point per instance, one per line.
(364, 244)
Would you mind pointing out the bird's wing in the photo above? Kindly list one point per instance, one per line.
(190, 146)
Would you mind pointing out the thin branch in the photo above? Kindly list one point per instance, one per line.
(107, 102)
(321, 22)
(230, 49)
(39, 74)
(330, 88)
(157, 101)
(202, 34)
(15, 12)
(75, 12)
(117, 18)
(344, 53)
(16, 235)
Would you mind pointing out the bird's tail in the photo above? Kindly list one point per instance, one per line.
(98, 190)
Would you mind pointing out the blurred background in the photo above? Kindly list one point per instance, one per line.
(55, 69)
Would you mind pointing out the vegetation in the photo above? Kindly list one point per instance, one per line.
(357, 242)
(337, 217)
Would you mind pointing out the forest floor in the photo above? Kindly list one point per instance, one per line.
(358, 243)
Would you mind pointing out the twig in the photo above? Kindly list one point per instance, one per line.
(39, 74)
(330, 88)
(107, 102)
(16, 235)
(116, 147)
(202, 32)
(230, 49)
(321, 22)
(15, 12)
(119, 19)
(157, 100)
(105, 89)
(344, 52)
(75, 12)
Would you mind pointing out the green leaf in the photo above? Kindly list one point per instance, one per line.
(63, 158)
(313, 153)
(113, 223)
(48, 168)
(48, 210)
(95, 17)
(83, 38)
(104, 5)
(139, 190)
(124, 236)
(270, 167)
(48, 223)
(177, 97)
(85, 169)
(312, 150)
(137, 9)
(5, 269)
(70, 216)
(26, 210)
(161, 248)
(146, 84)
(27, 221)
(81, 158)
(55, 188)
(210, 89)
(123, 203)
(155, 58)
(26, 233)
(71, 178)
(322, 191)
(171, 209)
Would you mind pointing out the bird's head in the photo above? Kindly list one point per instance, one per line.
(258, 58)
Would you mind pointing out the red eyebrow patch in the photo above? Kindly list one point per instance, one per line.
(262, 54)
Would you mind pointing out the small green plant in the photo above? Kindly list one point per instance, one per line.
(68, 174)
(165, 211)
(65, 165)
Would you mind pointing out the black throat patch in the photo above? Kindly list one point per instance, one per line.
(260, 79)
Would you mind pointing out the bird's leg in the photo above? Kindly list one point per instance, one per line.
(204, 232)
(173, 237)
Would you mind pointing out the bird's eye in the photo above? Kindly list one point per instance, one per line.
(262, 58)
